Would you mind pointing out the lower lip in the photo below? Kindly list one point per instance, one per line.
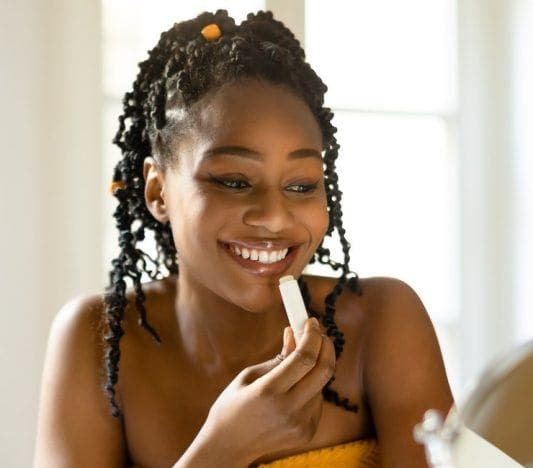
(263, 269)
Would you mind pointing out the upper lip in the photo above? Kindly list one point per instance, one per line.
(262, 245)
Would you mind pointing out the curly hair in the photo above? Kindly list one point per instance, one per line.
(180, 69)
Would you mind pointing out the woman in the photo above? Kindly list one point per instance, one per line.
(229, 158)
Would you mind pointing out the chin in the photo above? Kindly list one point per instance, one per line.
(260, 300)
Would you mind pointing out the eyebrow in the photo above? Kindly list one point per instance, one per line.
(243, 152)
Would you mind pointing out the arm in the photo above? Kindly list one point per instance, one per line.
(208, 451)
(403, 371)
(75, 427)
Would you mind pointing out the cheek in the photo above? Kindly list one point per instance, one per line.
(188, 213)
(199, 216)
(316, 218)
(323, 221)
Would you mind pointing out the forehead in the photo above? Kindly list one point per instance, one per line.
(256, 114)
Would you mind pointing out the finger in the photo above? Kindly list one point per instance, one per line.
(298, 363)
(291, 341)
(285, 351)
(315, 380)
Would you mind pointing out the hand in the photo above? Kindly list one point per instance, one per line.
(276, 405)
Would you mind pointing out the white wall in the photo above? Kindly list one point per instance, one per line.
(522, 25)
(492, 138)
(50, 206)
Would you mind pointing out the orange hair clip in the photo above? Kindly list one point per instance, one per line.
(211, 32)
(116, 184)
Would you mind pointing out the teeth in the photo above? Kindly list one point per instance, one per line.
(262, 256)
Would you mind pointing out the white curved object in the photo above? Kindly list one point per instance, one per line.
(294, 304)
(491, 427)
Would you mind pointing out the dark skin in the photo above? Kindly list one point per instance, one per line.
(269, 206)
(216, 320)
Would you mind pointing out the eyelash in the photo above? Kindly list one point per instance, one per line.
(307, 188)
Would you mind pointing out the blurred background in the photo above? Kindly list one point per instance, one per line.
(434, 111)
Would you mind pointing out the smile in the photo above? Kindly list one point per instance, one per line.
(263, 262)
(258, 255)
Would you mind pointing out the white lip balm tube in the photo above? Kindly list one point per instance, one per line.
(294, 304)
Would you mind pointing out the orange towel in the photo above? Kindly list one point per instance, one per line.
(357, 454)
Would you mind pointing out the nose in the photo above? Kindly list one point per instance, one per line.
(270, 210)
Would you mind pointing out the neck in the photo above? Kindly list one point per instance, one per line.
(220, 338)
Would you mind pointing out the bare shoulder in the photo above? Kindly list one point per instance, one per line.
(404, 372)
(399, 331)
(399, 356)
(388, 300)
(77, 327)
(379, 301)
(395, 318)
(75, 426)
(81, 315)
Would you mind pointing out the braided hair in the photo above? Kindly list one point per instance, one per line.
(180, 69)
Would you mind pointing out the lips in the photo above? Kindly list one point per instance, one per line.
(260, 255)
(256, 267)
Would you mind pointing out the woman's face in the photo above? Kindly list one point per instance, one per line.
(248, 182)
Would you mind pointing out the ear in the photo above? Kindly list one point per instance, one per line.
(154, 190)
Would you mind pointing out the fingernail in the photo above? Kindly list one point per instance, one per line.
(315, 322)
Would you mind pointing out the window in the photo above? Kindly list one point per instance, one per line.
(522, 26)
(390, 68)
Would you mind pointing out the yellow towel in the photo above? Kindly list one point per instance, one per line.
(357, 454)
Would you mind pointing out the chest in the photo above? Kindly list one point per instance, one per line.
(164, 408)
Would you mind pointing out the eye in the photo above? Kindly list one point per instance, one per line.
(231, 183)
(303, 188)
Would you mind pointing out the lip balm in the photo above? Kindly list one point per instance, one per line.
(294, 304)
